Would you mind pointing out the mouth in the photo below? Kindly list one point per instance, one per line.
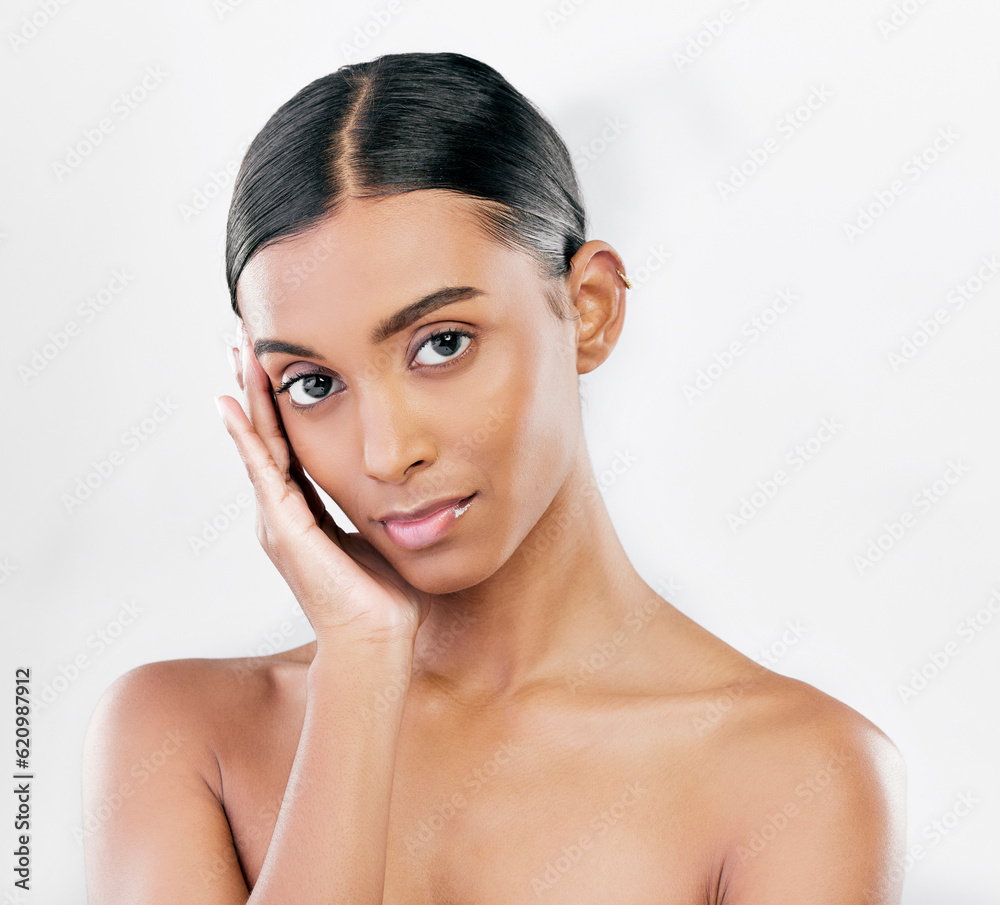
(433, 523)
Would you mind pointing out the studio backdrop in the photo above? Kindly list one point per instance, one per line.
(797, 434)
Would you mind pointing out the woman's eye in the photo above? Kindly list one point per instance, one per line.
(310, 389)
(442, 346)
(306, 390)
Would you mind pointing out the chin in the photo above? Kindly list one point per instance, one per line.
(439, 571)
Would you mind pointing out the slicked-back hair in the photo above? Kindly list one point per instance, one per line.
(400, 123)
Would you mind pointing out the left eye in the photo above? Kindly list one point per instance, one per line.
(441, 347)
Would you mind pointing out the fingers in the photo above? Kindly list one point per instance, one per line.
(263, 414)
(316, 505)
(267, 479)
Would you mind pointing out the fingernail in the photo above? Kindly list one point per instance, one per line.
(218, 406)
(231, 358)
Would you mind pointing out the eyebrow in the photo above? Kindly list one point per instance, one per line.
(387, 327)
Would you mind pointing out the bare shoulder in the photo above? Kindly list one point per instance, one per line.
(754, 719)
(811, 794)
(156, 825)
(196, 706)
(791, 721)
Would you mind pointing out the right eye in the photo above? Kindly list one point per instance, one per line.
(305, 390)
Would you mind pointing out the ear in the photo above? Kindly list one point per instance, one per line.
(597, 293)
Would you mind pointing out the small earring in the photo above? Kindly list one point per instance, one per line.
(628, 282)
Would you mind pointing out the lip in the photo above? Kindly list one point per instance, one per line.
(398, 515)
(425, 525)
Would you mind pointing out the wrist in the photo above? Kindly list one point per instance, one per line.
(370, 679)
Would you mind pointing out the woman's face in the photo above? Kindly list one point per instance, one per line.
(400, 407)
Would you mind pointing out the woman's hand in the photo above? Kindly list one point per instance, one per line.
(343, 584)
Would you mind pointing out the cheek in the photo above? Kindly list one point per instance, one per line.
(324, 454)
(524, 435)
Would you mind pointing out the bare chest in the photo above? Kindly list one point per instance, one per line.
(514, 811)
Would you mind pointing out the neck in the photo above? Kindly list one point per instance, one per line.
(566, 591)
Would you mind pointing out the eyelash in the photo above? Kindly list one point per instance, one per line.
(287, 384)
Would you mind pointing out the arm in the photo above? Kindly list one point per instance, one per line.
(156, 832)
(329, 843)
(829, 829)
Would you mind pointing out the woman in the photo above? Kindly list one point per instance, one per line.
(407, 256)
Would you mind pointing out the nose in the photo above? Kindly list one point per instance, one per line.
(394, 441)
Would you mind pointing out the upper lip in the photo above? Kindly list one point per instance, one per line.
(412, 515)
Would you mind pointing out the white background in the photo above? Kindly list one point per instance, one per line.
(654, 135)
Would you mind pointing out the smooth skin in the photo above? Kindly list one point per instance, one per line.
(444, 740)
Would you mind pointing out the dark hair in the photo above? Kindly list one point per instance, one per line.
(399, 123)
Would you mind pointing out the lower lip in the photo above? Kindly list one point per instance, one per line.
(421, 532)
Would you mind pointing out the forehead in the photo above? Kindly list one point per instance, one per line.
(375, 255)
